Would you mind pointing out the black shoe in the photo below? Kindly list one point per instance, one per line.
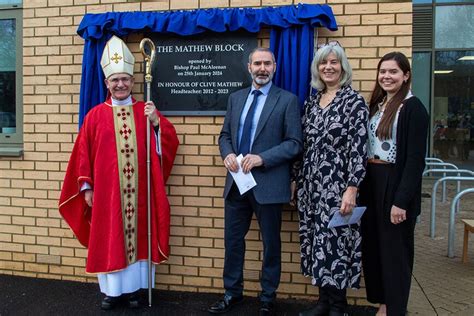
(109, 302)
(225, 304)
(133, 300)
(266, 308)
(320, 309)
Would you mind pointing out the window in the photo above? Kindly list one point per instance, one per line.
(453, 115)
(443, 71)
(455, 1)
(421, 79)
(422, 1)
(11, 103)
(454, 26)
(10, 3)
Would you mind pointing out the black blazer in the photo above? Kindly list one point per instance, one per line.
(412, 133)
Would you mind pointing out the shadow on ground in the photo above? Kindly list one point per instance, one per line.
(31, 296)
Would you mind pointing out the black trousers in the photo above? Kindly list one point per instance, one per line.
(238, 216)
(387, 249)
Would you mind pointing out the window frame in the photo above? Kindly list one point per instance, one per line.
(12, 144)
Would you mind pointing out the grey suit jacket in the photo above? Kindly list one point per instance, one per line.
(278, 140)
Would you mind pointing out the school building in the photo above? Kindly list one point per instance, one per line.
(41, 58)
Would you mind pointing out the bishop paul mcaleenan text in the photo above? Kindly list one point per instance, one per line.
(195, 75)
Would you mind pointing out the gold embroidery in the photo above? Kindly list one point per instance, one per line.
(116, 58)
(127, 166)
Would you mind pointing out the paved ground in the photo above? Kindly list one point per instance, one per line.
(441, 285)
(29, 296)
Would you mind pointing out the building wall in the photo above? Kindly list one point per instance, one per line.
(36, 242)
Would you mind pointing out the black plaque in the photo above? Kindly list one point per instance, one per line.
(195, 75)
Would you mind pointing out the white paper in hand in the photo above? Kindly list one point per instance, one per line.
(243, 181)
(353, 218)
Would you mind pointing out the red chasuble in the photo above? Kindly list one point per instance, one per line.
(110, 155)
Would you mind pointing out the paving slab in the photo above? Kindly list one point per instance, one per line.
(442, 285)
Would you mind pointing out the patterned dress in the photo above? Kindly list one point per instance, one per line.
(334, 158)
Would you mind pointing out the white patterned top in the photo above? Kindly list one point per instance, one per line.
(385, 150)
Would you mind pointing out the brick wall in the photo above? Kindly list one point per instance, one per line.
(35, 242)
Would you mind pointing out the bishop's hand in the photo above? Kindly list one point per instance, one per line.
(89, 197)
(150, 111)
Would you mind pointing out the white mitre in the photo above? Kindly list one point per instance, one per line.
(117, 58)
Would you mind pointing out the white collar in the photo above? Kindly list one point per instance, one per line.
(127, 101)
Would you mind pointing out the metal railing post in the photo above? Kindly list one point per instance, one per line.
(452, 218)
(433, 159)
(444, 171)
(444, 165)
(434, 192)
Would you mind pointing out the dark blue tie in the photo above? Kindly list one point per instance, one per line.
(247, 129)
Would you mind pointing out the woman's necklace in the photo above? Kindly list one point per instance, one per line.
(327, 97)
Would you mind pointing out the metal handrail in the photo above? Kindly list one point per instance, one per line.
(432, 159)
(433, 198)
(447, 171)
(435, 164)
(441, 164)
(452, 217)
(444, 165)
(444, 172)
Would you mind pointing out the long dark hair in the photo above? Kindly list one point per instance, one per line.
(384, 130)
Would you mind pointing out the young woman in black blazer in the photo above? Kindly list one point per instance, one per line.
(391, 189)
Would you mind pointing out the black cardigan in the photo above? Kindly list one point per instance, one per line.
(412, 133)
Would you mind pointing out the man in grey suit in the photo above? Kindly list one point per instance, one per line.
(263, 124)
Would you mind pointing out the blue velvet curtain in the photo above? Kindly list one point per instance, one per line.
(293, 48)
(291, 38)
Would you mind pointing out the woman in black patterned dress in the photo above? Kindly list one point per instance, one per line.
(327, 179)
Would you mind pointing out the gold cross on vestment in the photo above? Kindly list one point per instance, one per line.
(116, 58)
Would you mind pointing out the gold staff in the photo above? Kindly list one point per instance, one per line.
(149, 59)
